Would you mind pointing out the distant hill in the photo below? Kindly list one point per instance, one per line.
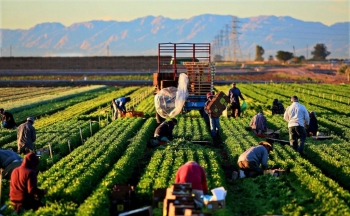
(141, 36)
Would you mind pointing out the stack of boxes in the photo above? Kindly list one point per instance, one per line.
(178, 198)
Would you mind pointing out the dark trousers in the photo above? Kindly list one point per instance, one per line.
(235, 107)
(297, 136)
(250, 168)
(33, 203)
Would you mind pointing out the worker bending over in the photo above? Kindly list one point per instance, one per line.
(259, 123)
(277, 107)
(7, 119)
(192, 172)
(163, 133)
(313, 126)
(249, 162)
(119, 106)
(24, 192)
(9, 160)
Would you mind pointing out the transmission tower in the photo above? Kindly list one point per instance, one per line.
(227, 43)
(221, 44)
(234, 36)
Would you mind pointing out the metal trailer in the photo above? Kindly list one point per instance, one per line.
(193, 59)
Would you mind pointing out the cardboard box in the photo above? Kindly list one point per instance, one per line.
(177, 199)
(215, 205)
(43, 151)
(218, 104)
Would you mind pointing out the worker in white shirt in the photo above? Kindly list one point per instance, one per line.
(297, 117)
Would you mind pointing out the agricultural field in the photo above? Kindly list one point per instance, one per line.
(90, 152)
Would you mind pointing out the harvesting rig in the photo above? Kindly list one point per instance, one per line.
(193, 59)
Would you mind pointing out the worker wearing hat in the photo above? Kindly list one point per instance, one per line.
(213, 119)
(249, 162)
(234, 94)
(26, 136)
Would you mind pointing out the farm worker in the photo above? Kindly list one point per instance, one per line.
(192, 172)
(164, 132)
(119, 106)
(259, 123)
(214, 120)
(9, 160)
(313, 126)
(296, 115)
(234, 94)
(277, 107)
(249, 162)
(26, 136)
(7, 119)
(24, 192)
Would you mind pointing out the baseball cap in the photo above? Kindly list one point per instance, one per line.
(30, 119)
(209, 94)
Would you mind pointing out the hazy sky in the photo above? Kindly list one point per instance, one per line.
(24, 14)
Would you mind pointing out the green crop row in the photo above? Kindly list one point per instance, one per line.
(192, 129)
(98, 202)
(62, 136)
(11, 95)
(83, 107)
(79, 182)
(47, 98)
(295, 189)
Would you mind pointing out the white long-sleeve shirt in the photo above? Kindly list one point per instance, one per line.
(296, 115)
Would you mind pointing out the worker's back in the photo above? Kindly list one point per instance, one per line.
(193, 173)
(254, 153)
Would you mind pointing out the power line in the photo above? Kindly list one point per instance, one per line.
(255, 35)
(300, 32)
(307, 27)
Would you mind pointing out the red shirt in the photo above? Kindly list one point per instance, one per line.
(23, 185)
(193, 173)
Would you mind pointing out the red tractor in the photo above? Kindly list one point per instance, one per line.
(193, 59)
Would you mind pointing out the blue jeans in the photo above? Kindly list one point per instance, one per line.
(297, 137)
(214, 125)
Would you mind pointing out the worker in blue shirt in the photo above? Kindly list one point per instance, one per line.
(119, 106)
(234, 94)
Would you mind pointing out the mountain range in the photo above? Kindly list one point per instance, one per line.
(141, 36)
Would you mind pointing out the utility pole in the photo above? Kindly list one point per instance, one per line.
(10, 50)
(294, 51)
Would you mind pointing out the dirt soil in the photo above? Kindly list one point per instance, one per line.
(296, 75)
